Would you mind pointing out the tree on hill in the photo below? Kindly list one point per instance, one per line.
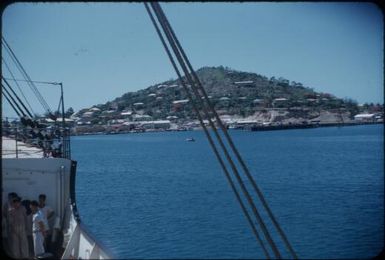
(220, 82)
(69, 112)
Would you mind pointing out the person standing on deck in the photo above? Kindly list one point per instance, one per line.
(7, 206)
(48, 216)
(17, 220)
(38, 228)
(26, 204)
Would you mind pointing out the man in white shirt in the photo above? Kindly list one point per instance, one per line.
(48, 217)
(38, 228)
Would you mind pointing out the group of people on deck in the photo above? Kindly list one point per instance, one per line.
(26, 226)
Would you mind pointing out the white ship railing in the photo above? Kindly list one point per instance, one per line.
(83, 246)
(56, 177)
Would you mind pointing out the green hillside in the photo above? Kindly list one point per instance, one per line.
(232, 92)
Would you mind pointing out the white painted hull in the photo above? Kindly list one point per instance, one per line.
(56, 178)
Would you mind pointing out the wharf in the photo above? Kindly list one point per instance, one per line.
(305, 126)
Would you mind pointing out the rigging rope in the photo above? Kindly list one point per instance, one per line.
(35, 81)
(52, 116)
(26, 76)
(196, 87)
(209, 136)
(19, 110)
(17, 84)
(243, 188)
(12, 105)
(17, 97)
(25, 120)
(224, 130)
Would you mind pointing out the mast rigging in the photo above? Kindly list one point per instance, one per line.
(201, 97)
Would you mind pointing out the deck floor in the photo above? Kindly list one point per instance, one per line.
(8, 149)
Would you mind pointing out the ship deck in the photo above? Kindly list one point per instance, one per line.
(8, 149)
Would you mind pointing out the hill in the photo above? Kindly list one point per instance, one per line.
(232, 93)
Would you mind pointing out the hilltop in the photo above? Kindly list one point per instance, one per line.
(232, 92)
(236, 95)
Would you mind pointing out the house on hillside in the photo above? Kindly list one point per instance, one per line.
(138, 105)
(178, 105)
(83, 121)
(224, 101)
(172, 118)
(365, 117)
(126, 113)
(158, 124)
(280, 102)
(245, 83)
(137, 117)
(88, 114)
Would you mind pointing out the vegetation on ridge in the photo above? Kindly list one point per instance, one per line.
(232, 92)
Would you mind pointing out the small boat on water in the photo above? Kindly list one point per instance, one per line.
(190, 139)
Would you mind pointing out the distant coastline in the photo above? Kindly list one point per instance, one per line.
(242, 100)
(248, 128)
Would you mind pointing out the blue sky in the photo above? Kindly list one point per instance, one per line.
(103, 50)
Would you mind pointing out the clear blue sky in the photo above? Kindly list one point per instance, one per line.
(103, 50)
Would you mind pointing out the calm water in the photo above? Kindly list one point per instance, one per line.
(154, 195)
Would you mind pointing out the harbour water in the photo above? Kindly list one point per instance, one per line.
(154, 195)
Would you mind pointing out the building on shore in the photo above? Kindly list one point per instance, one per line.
(365, 117)
(158, 124)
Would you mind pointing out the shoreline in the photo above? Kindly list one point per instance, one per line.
(252, 128)
(306, 126)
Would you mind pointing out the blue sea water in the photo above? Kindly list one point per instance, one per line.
(154, 195)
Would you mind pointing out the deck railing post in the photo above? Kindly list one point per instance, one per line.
(17, 152)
